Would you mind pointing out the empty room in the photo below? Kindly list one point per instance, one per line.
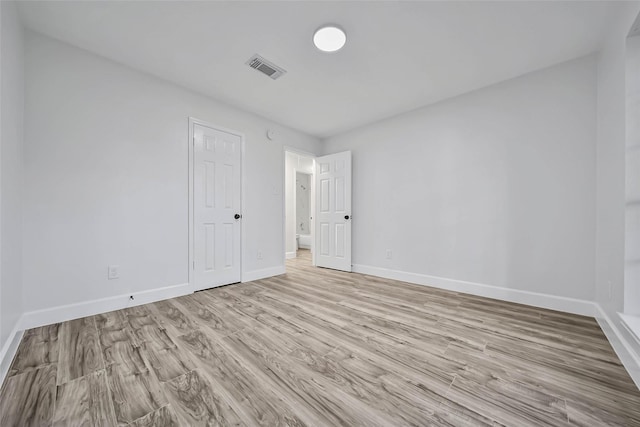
(320, 213)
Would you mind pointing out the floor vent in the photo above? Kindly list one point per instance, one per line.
(265, 67)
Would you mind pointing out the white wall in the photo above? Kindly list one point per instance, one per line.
(11, 168)
(303, 203)
(106, 177)
(293, 162)
(494, 187)
(632, 179)
(611, 165)
(610, 208)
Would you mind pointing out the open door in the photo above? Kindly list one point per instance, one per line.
(333, 211)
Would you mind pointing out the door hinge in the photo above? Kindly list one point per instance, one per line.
(193, 265)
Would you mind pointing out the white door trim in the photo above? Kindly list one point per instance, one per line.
(192, 122)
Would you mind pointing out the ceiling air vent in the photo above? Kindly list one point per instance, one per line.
(265, 67)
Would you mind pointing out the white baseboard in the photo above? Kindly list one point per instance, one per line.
(623, 348)
(250, 276)
(63, 313)
(9, 349)
(552, 302)
(622, 345)
(632, 324)
(290, 255)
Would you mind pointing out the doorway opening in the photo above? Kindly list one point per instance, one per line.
(324, 181)
(299, 201)
(303, 211)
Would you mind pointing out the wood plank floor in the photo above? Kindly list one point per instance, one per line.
(318, 347)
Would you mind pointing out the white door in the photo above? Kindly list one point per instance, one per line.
(333, 211)
(217, 157)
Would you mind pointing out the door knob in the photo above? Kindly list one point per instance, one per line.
(346, 217)
(237, 216)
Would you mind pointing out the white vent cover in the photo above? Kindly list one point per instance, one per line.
(265, 67)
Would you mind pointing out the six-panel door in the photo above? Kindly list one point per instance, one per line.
(333, 211)
(217, 198)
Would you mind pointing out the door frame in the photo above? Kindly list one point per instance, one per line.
(285, 149)
(191, 211)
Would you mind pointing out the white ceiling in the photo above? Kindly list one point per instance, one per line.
(399, 55)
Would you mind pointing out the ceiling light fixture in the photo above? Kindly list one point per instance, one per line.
(329, 38)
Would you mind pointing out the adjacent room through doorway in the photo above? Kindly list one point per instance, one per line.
(299, 168)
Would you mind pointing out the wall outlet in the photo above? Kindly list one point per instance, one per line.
(389, 254)
(113, 272)
(259, 255)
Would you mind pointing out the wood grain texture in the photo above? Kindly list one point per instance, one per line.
(110, 319)
(240, 381)
(207, 312)
(198, 402)
(85, 401)
(172, 317)
(163, 417)
(38, 348)
(134, 395)
(79, 349)
(140, 317)
(321, 347)
(28, 399)
(164, 357)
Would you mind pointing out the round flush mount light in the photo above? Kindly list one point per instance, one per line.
(329, 38)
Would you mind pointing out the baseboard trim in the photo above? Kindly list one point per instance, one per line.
(290, 255)
(623, 348)
(250, 276)
(632, 325)
(625, 351)
(63, 313)
(552, 302)
(9, 349)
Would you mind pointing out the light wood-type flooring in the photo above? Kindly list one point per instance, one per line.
(318, 347)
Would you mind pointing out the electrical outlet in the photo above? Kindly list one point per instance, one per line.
(389, 254)
(259, 255)
(113, 272)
